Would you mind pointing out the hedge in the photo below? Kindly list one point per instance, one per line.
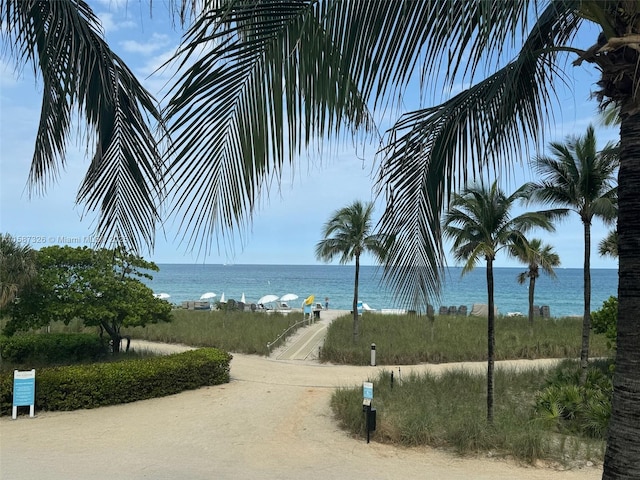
(95, 385)
(52, 348)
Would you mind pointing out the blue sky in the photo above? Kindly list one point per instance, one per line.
(288, 225)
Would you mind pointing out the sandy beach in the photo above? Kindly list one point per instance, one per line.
(272, 421)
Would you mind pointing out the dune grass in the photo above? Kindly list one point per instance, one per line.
(233, 331)
(411, 339)
(449, 411)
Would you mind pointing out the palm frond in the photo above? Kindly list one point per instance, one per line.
(63, 40)
(268, 84)
(488, 124)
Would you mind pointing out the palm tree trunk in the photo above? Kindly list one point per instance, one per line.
(622, 458)
(532, 289)
(586, 314)
(355, 302)
(491, 340)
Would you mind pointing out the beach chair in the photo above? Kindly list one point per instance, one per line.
(285, 306)
(462, 310)
(545, 311)
(453, 310)
(443, 310)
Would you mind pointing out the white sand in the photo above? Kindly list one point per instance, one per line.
(272, 421)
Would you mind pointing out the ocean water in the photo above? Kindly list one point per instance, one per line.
(563, 295)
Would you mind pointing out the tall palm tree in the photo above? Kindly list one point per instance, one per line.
(348, 234)
(480, 224)
(536, 256)
(310, 68)
(579, 177)
(17, 268)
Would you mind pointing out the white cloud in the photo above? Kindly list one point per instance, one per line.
(155, 43)
(111, 23)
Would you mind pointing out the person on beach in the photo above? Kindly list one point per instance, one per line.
(326, 303)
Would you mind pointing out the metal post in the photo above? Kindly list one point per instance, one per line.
(367, 409)
(373, 354)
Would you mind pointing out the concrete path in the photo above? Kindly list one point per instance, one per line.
(307, 341)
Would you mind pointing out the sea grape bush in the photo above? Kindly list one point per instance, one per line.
(95, 385)
(605, 320)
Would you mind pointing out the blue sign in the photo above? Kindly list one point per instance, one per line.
(24, 388)
(367, 390)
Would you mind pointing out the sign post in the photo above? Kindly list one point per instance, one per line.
(24, 391)
(370, 413)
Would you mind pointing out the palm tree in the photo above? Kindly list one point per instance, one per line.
(348, 234)
(17, 268)
(579, 177)
(312, 68)
(536, 256)
(609, 245)
(480, 224)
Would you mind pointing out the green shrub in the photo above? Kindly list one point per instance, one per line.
(605, 320)
(95, 385)
(572, 408)
(54, 348)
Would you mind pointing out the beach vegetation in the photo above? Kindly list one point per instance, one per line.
(417, 410)
(17, 268)
(254, 333)
(536, 256)
(52, 349)
(100, 287)
(605, 320)
(409, 339)
(348, 234)
(230, 330)
(93, 385)
(582, 179)
(566, 405)
(479, 221)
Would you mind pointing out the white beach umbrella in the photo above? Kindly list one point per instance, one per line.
(289, 297)
(207, 296)
(268, 299)
(162, 296)
(242, 299)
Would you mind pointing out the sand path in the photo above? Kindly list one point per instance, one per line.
(272, 421)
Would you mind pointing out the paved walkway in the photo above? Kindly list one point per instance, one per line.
(306, 343)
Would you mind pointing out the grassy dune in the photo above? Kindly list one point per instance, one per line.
(411, 339)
